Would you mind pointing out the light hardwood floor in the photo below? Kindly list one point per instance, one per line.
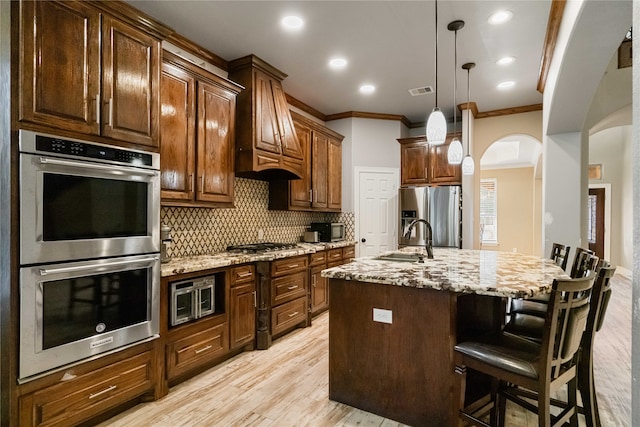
(287, 385)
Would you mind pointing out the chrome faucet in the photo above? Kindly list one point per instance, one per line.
(429, 237)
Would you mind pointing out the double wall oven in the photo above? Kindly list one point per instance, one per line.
(89, 250)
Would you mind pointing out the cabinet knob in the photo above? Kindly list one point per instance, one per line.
(363, 240)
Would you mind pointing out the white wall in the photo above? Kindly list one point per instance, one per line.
(608, 148)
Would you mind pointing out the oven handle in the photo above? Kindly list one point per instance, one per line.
(87, 165)
(46, 271)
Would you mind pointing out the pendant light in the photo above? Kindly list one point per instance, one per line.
(455, 153)
(468, 167)
(436, 124)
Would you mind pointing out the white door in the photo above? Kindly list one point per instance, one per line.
(376, 210)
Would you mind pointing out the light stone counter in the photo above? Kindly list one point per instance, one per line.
(502, 274)
(225, 259)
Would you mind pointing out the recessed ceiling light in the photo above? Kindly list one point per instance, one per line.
(506, 60)
(337, 63)
(367, 89)
(506, 85)
(292, 22)
(500, 17)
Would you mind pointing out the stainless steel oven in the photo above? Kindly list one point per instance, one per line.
(83, 200)
(192, 299)
(72, 311)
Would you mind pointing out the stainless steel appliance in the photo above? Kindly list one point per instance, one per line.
(192, 299)
(72, 311)
(440, 206)
(89, 250)
(82, 200)
(329, 231)
(165, 242)
(311, 237)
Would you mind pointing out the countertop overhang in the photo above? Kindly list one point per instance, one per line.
(502, 274)
(226, 259)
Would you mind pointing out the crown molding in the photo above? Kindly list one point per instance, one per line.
(508, 111)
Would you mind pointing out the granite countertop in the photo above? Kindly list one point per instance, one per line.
(502, 274)
(225, 259)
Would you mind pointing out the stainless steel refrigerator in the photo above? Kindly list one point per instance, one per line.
(440, 206)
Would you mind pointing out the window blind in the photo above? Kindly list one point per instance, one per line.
(489, 210)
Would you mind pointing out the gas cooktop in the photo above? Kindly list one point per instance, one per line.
(252, 248)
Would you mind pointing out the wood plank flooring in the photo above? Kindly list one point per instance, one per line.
(287, 385)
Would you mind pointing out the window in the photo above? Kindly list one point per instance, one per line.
(591, 216)
(489, 211)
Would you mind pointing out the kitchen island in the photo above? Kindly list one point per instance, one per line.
(393, 325)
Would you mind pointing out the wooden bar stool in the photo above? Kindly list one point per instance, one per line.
(516, 362)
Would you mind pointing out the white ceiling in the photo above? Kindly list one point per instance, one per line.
(388, 43)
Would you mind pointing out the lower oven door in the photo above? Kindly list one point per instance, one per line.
(73, 311)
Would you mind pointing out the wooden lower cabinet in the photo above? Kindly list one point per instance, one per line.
(243, 306)
(196, 349)
(288, 315)
(80, 398)
(319, 290)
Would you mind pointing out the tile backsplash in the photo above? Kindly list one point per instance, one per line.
(200, 231)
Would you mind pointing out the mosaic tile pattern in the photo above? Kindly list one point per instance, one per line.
(203, 231)
(503, 274)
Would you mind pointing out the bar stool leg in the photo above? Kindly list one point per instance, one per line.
(459, 389)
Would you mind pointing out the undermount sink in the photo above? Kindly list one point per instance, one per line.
(400, 257)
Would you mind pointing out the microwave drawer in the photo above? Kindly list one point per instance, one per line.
(72, 402)
(288, 315)
(289, 265)
(289, 287)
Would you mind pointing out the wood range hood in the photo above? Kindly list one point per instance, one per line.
(267, 146)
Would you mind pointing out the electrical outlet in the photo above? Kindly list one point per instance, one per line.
(260, 234)
(382, 316)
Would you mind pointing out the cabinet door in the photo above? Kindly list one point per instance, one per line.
(288, 139)
(243, 314)
(216, 118)
(266, 125)
(320, 165)
(131, 83)
(177, 136)
(60, 65)
(300, 189)
(441, 172)
(334, 176)
(415, 163)
(319, 290)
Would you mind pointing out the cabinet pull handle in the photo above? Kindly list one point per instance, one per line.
(310, 196)
(295, 313)
(293, 266)
(244, 274)
(202, 184)
(110, 111)
(98, 106)
(191, 182)
(313, 281)
(292, 287)
(203, 349)
(100, 393)
(255, 299)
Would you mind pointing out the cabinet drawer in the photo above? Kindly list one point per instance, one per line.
(334, 255)
(348, 253)
(318, 258)
(289, 265)
(79, 399)
(243, 274)
(288, 315)
(192, 351)
(289, 287)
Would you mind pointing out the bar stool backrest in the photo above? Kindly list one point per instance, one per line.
(560, 254)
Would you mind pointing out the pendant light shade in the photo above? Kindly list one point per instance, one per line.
(436, 124)
(436, 127)
(455, 153)
(468, 166)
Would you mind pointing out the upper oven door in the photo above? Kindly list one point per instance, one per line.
(73, 209)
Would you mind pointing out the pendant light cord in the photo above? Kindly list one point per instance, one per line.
(468, 110)
(436, 53)
(455, 77)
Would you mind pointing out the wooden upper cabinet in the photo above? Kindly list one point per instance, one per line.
(422, 164)
(64, 84)
(216, 122)
(197, 135)
(320, 188)
(130, 83)
(60, 65)
(177, 137)
(267, 146)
